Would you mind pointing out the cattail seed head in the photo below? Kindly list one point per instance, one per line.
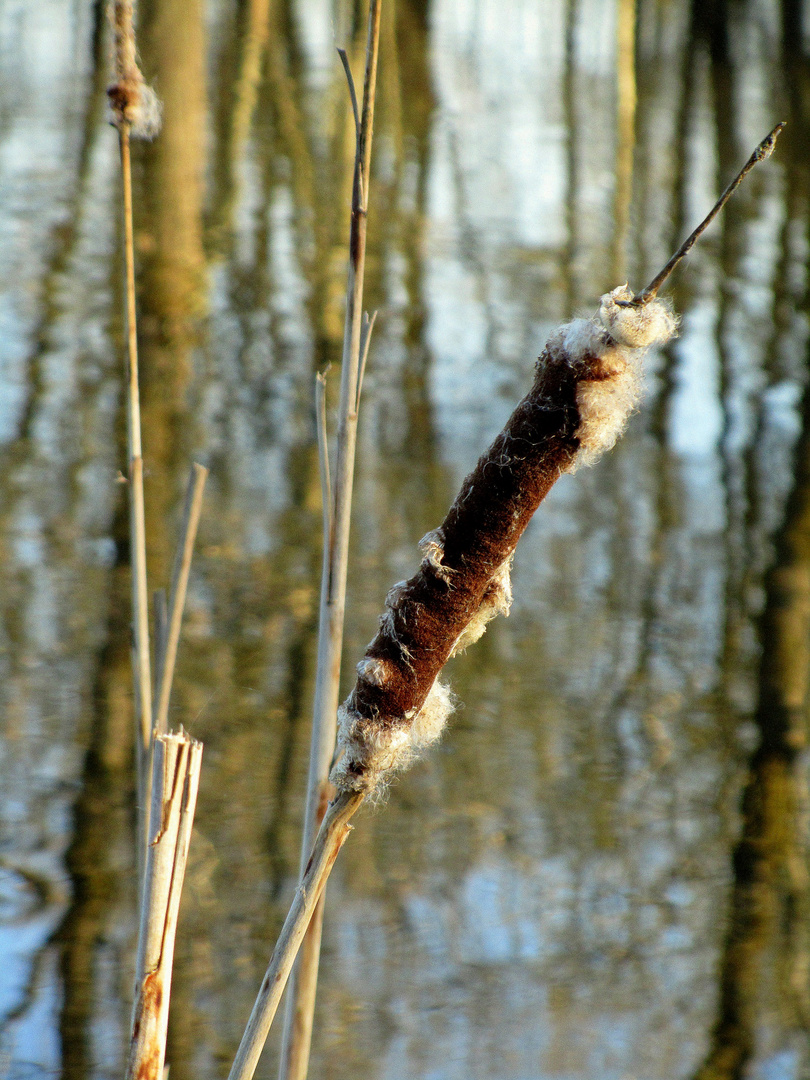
(587, 383)
(133, 104)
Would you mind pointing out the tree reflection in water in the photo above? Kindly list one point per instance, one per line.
(602, 870)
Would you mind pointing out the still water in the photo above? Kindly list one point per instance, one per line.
(602, 870)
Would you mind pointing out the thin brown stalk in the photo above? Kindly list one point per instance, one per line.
(177, 596)
(625, 131)
(762, 153)
(331, 837)
(175, 780)
(301, 997)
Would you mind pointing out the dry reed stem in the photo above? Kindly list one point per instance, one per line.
(140, 594)
(160, 618)
(175, 779)
(331, 837)
(323, 461)
(135, 112)
(586, 385)
(301, 997)
(177, 597)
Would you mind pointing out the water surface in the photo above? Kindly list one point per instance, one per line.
(602, 870)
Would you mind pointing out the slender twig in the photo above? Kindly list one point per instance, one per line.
(175, 780)
(344, 59)
(177, 596)
(331, 836)
(301, 996)
(160, 616)
(365, 342)
(762, 153)
(126, 96)
(323, 461)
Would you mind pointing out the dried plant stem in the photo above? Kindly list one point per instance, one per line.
(177, 598)
(140, 594)
(160, 621)
(301, 997)
(175, 780)
(331, 837)
(323, 462)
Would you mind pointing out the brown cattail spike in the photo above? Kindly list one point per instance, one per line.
(587, 383)
(762, 153)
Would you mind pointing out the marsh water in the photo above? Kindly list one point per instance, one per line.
(601, 872)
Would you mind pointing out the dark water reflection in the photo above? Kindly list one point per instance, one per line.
(602, 871)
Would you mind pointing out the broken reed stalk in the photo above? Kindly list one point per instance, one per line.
(357, 333)
(168, 765)
(135, 112)
(587, 383)
(170, 637)
(176, 765)
(331, 837)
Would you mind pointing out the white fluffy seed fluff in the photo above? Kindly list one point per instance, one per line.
(147, 114)
(618, 338)
(136, 104)
(497, 601)
(374, 751)
(374, 672)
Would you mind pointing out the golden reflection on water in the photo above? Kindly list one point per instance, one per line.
(603, 869)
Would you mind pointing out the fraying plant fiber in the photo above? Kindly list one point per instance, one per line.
(384, 749)
(611, 346)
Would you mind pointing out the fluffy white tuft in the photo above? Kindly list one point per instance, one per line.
(653, 323)
(374, 672)
(429, 722)
(146, 116)
(614, 344)
(374, 750)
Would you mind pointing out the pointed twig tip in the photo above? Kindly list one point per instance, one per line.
(344, 59)
(762, 153)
